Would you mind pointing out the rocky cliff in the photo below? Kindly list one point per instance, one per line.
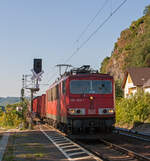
(132, 48)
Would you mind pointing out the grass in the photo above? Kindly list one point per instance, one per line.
(31, 146)
(35, 155)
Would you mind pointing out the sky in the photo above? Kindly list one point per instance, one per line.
(51, 29)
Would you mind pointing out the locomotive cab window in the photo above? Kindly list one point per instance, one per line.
(91, 87)
(102, 86)
(80, 86)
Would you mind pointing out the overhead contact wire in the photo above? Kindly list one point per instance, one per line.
(99, 11)
(93, 33)
(86, 28)
(97, 29)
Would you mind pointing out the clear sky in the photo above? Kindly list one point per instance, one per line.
(49, 29)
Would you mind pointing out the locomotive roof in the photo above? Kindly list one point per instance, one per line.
(93, 75)
(83, 71)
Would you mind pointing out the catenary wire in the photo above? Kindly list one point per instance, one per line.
(92, 20)
(93, 33)
(86, 28)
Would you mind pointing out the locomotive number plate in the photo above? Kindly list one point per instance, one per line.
(91, 111)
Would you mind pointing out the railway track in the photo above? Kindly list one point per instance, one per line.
(70, 149)
(132, 133)
(100, 149)
(113, 152)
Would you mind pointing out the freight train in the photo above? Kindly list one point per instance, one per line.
(81, 100)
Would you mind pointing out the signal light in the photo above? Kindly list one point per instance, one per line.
(37, 67)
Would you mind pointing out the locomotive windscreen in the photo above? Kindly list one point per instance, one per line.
(91, 87)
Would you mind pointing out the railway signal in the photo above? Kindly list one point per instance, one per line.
(34, 86)
(37, 65)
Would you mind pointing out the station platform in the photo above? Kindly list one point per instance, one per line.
(36, 145)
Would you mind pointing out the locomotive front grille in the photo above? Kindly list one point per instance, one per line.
(93, 122)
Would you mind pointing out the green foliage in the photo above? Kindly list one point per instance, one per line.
(116, 46)
(133, 109)
(133, 46)
(118, 89)
(128, 47)
(1, 112)
(147, 60)
(139, 51)
(135, 24)
(104, 64)
(12, 118)
(147, 10)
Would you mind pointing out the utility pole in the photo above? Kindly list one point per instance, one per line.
(30, 115)
(22, 89)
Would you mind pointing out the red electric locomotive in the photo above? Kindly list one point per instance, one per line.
(82, 100)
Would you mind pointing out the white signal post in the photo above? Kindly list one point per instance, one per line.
(35, 77)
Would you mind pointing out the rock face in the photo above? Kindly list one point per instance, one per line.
(114, 67)
(132, 48)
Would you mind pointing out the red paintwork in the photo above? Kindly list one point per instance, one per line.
(79, 100)
(39, 105)
(35, 102)
(99, 100)
(43, 101)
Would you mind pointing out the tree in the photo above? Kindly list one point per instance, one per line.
(118, 89)
(104, 64)
(147, 60)
(147, 10)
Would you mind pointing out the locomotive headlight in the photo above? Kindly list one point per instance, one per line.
(71, 111)
(106, 111)
(76, 111)
(111, 111)
(91, 98)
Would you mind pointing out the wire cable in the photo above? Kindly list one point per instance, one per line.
(92, 20)
(97, 29)
(86, 28)
(93, 33)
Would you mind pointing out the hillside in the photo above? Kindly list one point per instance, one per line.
(132, 48)
(8, 100)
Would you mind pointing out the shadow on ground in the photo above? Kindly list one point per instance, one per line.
(31, 146)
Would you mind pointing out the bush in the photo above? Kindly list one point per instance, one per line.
(118, 89)
(12, 118)
(133, 109)
(147, 10)
(104, 64)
